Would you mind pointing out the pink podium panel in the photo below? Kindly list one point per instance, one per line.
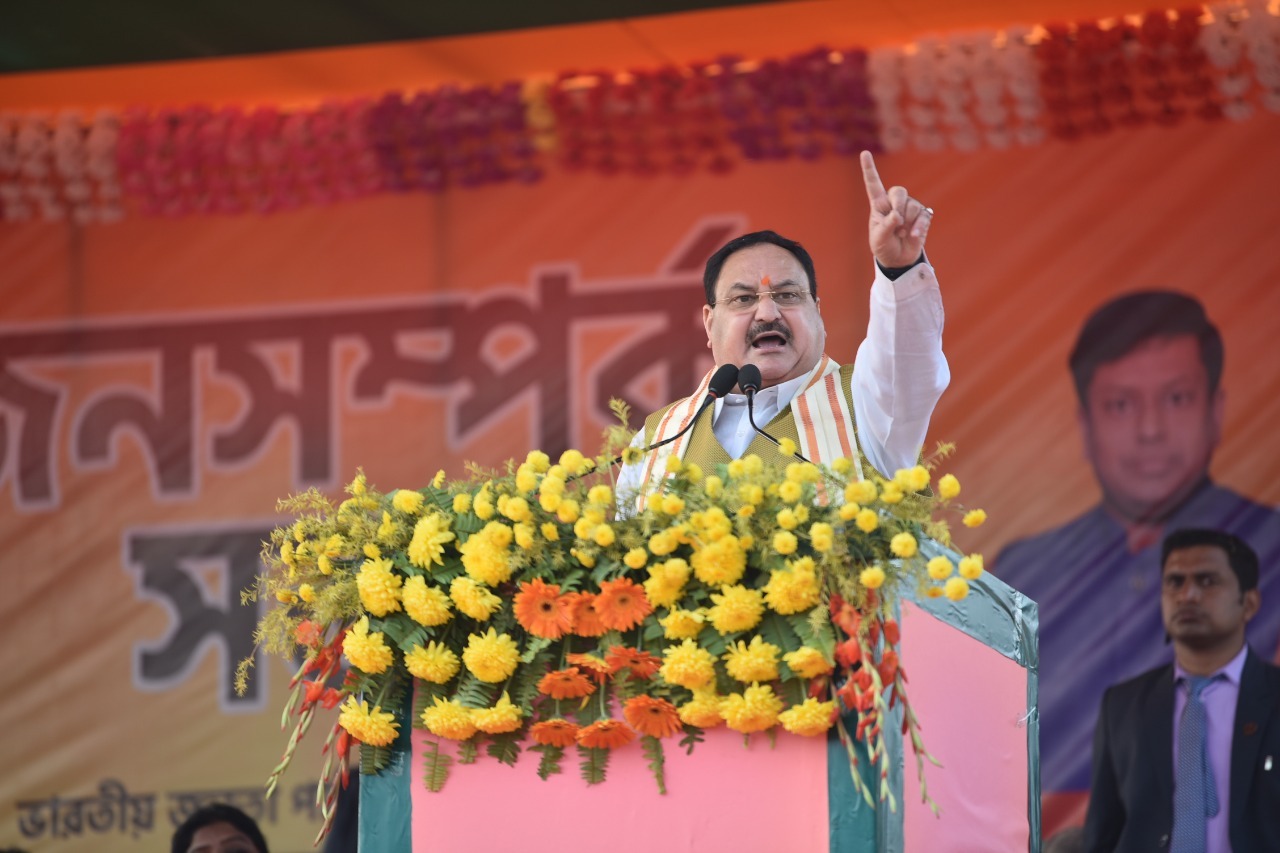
(760, 798)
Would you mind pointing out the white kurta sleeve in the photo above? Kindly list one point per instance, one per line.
(900, 371)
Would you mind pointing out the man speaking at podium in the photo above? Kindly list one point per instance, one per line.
(763, 309)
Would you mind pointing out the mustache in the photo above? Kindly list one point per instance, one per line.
(775, 326)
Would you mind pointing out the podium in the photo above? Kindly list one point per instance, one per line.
(973, 670)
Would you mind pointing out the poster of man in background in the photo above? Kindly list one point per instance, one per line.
(1147, 368)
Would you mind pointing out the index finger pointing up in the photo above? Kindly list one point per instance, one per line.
(875, 189)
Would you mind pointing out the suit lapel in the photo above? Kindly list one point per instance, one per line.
(1259, 695)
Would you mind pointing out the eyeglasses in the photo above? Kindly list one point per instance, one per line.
(742, 302)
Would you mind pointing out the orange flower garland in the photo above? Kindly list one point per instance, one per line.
(542, 611)
(606, 734)
(653, 717)
(622, 604)
(566, 684)
(555, 732)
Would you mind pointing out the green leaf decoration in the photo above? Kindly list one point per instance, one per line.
(779, 631)
(550, 763)
(505, 747)
(524, 687)
(423, 698)
(435, 767)
(814, 628)
(474, 693)
(415, 637)
(692, 737)
(536, 645)
(468, 751)
(374, 758)
(593, 763)
(657, 761)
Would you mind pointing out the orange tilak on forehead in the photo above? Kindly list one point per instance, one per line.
(765, 282)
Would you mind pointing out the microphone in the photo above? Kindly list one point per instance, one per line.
(749, 380)
(722, 382)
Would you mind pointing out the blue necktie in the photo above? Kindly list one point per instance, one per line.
(1195, 796)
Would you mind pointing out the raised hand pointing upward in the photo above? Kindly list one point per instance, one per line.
(898, 222)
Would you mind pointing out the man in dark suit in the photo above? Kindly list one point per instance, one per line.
(1213, 714)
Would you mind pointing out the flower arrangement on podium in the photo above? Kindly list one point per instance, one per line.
(524, 612)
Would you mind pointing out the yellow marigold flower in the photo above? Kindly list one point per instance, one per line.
(860, 492)
(549, 501)
(848, 512)
(903, 545)
(550, 532)
(802, 513)
(594, 514)
(713, 486)
(486, 557)
(753, 464)
(429, 537)
(524, 535)
(736, 469)
(867, 520)
(746, 511)
(568, 512)
(482, 505)
(891, 493)
(552, 486)
(810, 718)
(971, 567)
(367, 652)
(603, 535)
(822, 536)
(491, 656)
(664, 542)
(407, 501)
(324, 564)
(376, 727)
(425, 605)
(786, 518)
(956, 588)
(601, 495)
(703, 710)
(632, 455)
(583, 557)
(526, 479)
(752, 493)
(720, 562)
(808, 662)
(388, 530)
(755, 662)
(307, 593)
(372, 551)
(790, 491)
(682, 624)
(940, 568)
(948, 487)
(673, 464)
(379, 587)
(448, 719)
(688, 665)
(359, 486)
(438, 480)
(786, 446)
(785, 542)
(436, 663)
(461, 503)
(583, 528)
(502, 717)
(672, 504)
(711, 524)
(538, 461)
(693, 472)
(974, 518)
(517, 509)
(794, 589)
(286, 553)
(736, 608)
(842, 466)
(286, 596)
(473, 599)
(753, 710)
(662, 593)
(872, 577)
(911, 479)
(636, 558)
(572, 460)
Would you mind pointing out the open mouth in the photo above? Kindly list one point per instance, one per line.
(765, 340)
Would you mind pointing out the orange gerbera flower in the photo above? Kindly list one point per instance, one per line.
(622, 604)
(596, 666)
(555, 732)
(566, 684)
(606, 734)
(653, 717)
(583, 617)
(541, 610)
(641, 664)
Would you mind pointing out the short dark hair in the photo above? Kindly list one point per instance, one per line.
(211, 814)
(1243, 559)
(715, 263)
(1118, 327)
